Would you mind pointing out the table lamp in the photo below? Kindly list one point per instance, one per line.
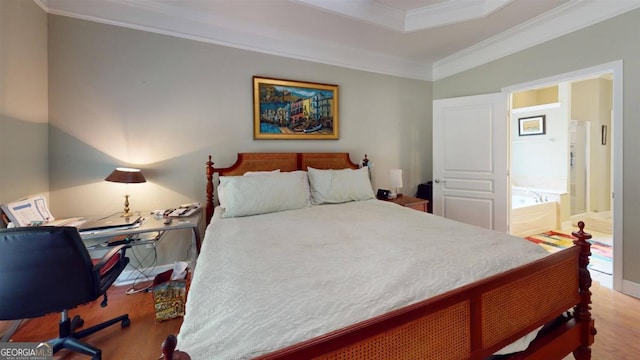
(126, 176)
(395, 182)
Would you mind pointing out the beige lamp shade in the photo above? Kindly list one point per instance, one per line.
(395, 177)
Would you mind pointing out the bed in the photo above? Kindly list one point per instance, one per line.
(274, 281)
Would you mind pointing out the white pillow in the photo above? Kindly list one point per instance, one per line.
(307, 189)
(338, 186)
(252, 195)
(248, 173)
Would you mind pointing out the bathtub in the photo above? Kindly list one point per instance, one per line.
(529, 217)
(520, 201)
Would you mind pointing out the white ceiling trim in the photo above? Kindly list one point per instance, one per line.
(450, 13)
(444, 13)
(156, 17)
(563, 20)
(167, 20)
(367, 11)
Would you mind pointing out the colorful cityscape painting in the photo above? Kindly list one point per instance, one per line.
(286, 109)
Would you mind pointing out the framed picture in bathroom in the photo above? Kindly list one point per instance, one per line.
(533, 125)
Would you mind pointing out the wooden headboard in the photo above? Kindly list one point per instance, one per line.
(272, 161)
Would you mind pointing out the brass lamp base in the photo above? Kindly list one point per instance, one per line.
(126, 212)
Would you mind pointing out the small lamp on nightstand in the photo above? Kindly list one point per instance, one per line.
(395, 182)
(126, 176)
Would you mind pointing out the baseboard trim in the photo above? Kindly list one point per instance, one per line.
(593, 215)
(631, 288)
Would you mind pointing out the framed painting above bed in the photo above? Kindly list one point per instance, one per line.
(294, 110)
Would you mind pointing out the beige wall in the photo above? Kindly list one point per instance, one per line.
(598, 44)
(23, 100)
(23, 103)
(125, 97)
(535, 97)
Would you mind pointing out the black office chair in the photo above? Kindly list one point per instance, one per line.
(48, 269)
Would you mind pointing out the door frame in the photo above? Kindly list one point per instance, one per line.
(615, 68)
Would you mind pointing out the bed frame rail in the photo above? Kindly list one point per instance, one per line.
(477, 320)
(471, 322)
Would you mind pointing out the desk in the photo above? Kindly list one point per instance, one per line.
(150, 225)
(93, 240)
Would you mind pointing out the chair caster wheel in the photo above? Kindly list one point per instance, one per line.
(76, 322)
(125, 323)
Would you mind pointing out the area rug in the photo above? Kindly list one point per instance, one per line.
(601, 253)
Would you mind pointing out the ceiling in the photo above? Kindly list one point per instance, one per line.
(421, 39)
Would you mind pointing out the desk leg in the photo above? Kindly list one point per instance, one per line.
(196, 242)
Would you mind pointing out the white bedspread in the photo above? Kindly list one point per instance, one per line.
(264, 282)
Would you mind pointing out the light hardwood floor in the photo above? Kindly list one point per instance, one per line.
(617, 319)
(141, 340)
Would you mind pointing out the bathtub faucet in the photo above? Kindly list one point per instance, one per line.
(538, 197)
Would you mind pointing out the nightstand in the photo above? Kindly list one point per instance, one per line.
(411, 202)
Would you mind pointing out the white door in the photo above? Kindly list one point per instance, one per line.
(470, 157)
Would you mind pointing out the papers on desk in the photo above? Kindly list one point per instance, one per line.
(28, 212)
(33, 211)
(74, 221)
(184, 210)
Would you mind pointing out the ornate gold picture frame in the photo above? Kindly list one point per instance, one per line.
(294, 110)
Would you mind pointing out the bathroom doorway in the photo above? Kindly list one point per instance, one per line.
(580, 175)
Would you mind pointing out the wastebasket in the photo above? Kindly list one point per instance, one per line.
(169, 295)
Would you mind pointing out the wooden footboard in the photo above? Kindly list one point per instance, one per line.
(477, 320)
(474, 321)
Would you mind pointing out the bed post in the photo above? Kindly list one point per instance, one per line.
(583, 309)
(168, 347)
(209, 206)
(169, 351)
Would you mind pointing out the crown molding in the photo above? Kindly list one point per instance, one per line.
(450, 12)
(426, 17)
(570, 17)
(371, 12)
(151, 16)
(158, 18)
